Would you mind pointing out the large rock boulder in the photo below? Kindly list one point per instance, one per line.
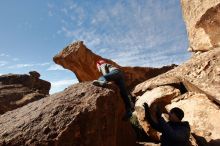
(82, 61)
(199, 75)
(197, 80)
(82, 114)
(17, 90)
(202, 23)
(157, 97)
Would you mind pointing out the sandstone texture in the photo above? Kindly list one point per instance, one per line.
(82, 61)
(202, 23)
(17, 90)
(81, 115)
(199, 74)
(193, 86)
(157, 97)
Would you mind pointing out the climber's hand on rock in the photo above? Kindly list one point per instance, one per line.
(146, 107)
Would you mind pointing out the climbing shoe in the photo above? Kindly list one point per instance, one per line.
(99, 83)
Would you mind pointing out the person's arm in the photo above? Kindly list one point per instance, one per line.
(177, 135)
(148, 117)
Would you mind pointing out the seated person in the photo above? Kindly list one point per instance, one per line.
(112, 73)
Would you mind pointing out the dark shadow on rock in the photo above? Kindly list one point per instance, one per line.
(201, 141)
(142, 137)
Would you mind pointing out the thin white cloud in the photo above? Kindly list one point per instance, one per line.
(55, 67)
(103, 50)
(135, 32)
(64, 10)
(63, 83)
(26, 65)
(50, 13)
(43, 64)
(60, 85)
(21, 65)
(3, 63)
(4, 55)
(78, 12)
(100, 17)
(15, 59)
(155, 57)
(50, 7)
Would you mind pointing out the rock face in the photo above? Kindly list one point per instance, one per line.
(159, 96)
(202, 23)
(199, 74)
(82, 114)
(193, 86)
(18, 90)
(82, 61)
(197, 83)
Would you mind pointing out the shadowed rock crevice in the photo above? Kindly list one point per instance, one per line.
(179, 86)
(193, 88)
(202, 141)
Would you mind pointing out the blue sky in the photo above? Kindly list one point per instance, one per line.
(130, 32)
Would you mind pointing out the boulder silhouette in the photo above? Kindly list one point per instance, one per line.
(17, 90)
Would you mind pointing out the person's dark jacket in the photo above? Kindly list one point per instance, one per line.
(173, 133)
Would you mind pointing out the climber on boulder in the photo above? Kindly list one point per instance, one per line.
(174, 132)
(112, 73)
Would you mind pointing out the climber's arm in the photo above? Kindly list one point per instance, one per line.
(148, 117)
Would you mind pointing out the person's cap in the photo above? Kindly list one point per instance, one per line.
(178, 112)
(100, 62)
